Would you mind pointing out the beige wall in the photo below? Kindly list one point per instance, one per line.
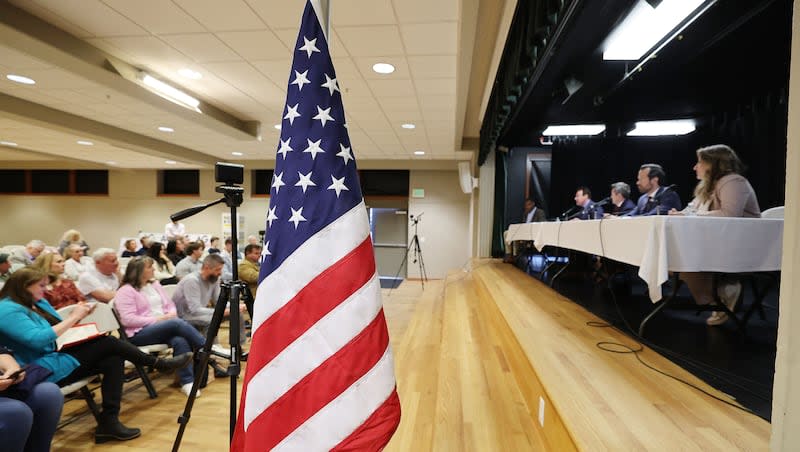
(131, 206)
(444, 229)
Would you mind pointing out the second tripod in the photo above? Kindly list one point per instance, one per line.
(415, 249)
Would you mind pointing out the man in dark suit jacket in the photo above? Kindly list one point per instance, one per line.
(654, 201)
(621, 203)
(532, 213)
(583, 199)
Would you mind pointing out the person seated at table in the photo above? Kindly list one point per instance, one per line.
(29, 410)
(149, 316)
(589, 211)
(60, 291)
(722, 191)
(654, 200)
(531, 214)
(621, 203)
(30, 328)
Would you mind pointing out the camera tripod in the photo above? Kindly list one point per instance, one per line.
(231, 293)
(415, 248)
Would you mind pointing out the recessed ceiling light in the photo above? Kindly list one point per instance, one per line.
(111, 162)
(409, 126)
(166, 129)
(236, 153)
(419, 152)
(383, 68)
(7, 143)
(277, 126)
(189, 73)
(21, 79)
(170, 162)
(85, 143)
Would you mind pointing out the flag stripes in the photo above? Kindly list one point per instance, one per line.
(324, 384)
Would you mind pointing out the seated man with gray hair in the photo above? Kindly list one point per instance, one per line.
(26, 256)
(101, 282)
(621, 203)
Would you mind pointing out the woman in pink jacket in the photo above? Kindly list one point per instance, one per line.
(149, 316)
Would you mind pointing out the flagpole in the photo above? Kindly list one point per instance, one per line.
(323, 10)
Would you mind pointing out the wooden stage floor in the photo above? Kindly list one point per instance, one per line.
(479, 357)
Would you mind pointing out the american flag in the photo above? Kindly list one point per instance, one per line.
(320, 375)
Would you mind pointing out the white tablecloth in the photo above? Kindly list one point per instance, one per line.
(660, 244)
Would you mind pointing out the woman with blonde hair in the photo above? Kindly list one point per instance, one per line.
(72, 237)
(721, 192)
(75, 262)
(60, 291)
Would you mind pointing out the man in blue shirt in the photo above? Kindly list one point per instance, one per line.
(654, 199)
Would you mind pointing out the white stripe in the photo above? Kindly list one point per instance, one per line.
(319, 343)
(337, 420)
(317, 254)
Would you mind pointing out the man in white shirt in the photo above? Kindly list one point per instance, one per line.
(101, 282)
(27, 255)
(174, 229)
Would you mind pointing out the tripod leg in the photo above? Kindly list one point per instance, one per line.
(202, 362)
(422, 271)
(402, 263)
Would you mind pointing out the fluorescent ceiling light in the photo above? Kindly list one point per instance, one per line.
(579, 129)
(658, 128)
(236, 153)
(166, 129)
(85, 143)
(645, 26)
(170, 162)
(383, 68)
(7, 143)
(419, 152)
(188, 73)
(408, 126)
(21, 79)
(170, 93)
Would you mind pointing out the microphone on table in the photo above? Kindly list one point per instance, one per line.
(603, 202)
(666, 190)
(567, 213)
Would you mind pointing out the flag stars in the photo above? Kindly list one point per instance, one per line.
(338, 185)
(305, 181)
(265, 251)
(314, 148)
(324, 115)
(345, 153)
(300, 79)
(309, 47)
(277, 182)
(297, 216)
(331, 84)
(291, 113)
(285, 147)
(271, 217)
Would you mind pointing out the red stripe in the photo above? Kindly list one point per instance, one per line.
(319, 387)
(377, 430)
(323, 294)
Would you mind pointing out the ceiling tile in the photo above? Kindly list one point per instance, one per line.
(430, 39)
(93, 16)
(426, 10)
(156, 16)
(201, 47)
(368, 41)
(276, 70)
(391, 88)
(146, 49)
(228, 15)
(251, 82)
(279, 13)
(362, 12)
(255, 45)
(439, 86)
(438, 66)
